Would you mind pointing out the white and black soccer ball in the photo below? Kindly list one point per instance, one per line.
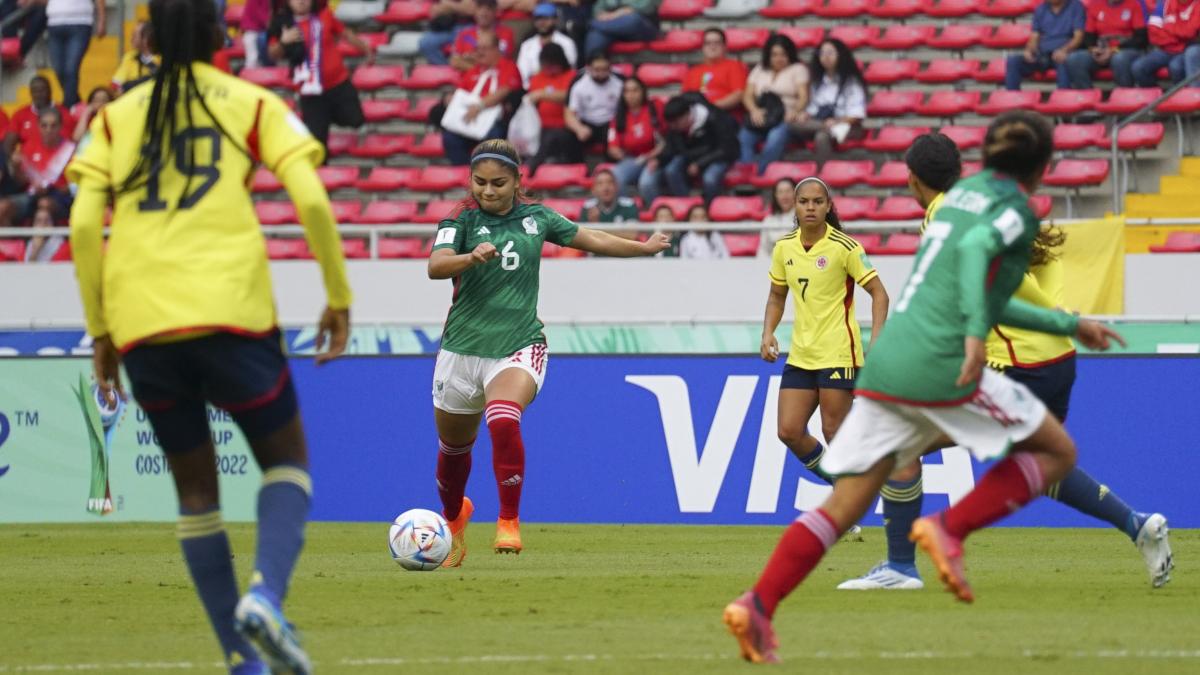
(419, 540)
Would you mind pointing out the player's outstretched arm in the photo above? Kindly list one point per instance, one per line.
(607, 244)
(445, 264)
(1095, 335)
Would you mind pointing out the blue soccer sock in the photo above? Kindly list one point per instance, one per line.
(283, 504)
(901, 507)
(812, 461)
(210, 561)
(1082, 493)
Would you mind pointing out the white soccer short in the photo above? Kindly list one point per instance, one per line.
(459, 380)
(1002, 412)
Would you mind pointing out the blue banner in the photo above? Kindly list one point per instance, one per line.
(692, 440)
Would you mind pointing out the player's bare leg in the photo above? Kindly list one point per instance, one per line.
(456, 436)
(508, 394)
(835, 405)
(796, 407)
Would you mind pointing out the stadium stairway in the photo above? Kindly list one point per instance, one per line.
(1176, 197)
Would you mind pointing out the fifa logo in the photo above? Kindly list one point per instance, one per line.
(101, 419)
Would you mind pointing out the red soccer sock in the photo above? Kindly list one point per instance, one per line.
(453, 470)
(1012, 483)
(508, 454)
(798, 552)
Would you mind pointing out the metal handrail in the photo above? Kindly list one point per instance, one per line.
(1118, 191)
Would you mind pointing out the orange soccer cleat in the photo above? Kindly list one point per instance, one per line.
(752, 629)
(508, 536)
(458, 530)
(946, 553)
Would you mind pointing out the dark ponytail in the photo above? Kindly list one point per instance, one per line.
(1018, 143)
(181, 32)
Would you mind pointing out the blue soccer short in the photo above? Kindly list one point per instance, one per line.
(825, 378)
(1051, 383)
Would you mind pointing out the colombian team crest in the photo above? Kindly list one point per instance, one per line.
(822, 262)
(101, 420)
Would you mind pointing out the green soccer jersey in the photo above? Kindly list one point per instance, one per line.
(972, 258)
(494, 311)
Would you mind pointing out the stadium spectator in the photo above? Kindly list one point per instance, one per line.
(43, 247)
(701, 143)
(1058, 27)
(1114, 36)
(84, 112)
(593, 100)
(548, 91)
(721, 79)
(305, 34)
(635, 140)
(41, 164)
(140, 62)
(70, 24)
(545, 25)
(837, 102)
(1174, 28)
(775, 98)
(782, 218)
(448, 17)
(30, 27)
(606, 204)
(462, 55)
(24, 125)
(621, 21)
(503, 79)
(701, 245)
(13, 198)
(256, 19)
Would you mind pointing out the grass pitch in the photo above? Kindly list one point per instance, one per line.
(602, 599)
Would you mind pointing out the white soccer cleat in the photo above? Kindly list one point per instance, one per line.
(1156, 549)
(263, 624)
(883, 577)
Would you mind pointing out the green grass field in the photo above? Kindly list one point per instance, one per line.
(602, 599)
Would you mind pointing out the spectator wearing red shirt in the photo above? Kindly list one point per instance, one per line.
(1114, 36)
(1174, 29)
(462, 55)
(305, 34)
(635, 140)
(24, 125)
(503, 79)
(41, 164)
(548, 89)
(721, 79)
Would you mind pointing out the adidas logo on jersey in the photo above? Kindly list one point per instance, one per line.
(483, 231)
(512, 481)
(789, 261)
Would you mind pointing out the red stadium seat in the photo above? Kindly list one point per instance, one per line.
(1079, 136)
(1065, 102)
(356, 248)
(805, 37)
(900, 243)
(384, 109)
(1003, 101)
(382, 146)
(569, 208)
(341, 143)
(265, 181)
(233, 14)
(10, 51)
(953, 9)
(902, 37)
(291, 248)
(233, 51)
(966, 138)
(1077, 173)
(428, 76)
(554, 177)
(678, 42)
(1126, 100)
(12, 250)
(681, 10)
(430, 146)
(436, 210)
(971, 168)
(345, 211)
(789, 9)
(992, 73)
(276, 213)
(1139, 136)
(898, 9)
(949, 103)
(401, 247)
(868, 240)
(894, 103)
(742, 244)
(855, 208)
(1183, 102)
(662, 74)
(1009, 36)
(892, 174)
(403, 12)
(960, 37)
(741, 174)
(1041, 205)
(338, 177)
(626, 48)
(679, 206)
(840, 173)
(946, 71)
(373, 78)
(386, 212)
(437, 178)
(419, 111)
(387, 179)
(777, 171)
(1009, 9)
(893, 138)
(376, 40)
(843, 9)
(891, 72)
(898, 208)
(744, 39)
(854, 36)
(272, 77)
(725, 209)
(1177, 242)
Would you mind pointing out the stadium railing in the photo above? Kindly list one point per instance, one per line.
(1119, 162)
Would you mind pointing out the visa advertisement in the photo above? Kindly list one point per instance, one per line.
(611, 439)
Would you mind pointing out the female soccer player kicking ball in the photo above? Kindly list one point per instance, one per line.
(182, 295)
(926, 379)
(1044, 363)
(493, 357)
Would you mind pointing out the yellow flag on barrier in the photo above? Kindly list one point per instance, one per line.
(1093, 258)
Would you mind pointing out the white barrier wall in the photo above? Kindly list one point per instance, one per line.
(647, 290)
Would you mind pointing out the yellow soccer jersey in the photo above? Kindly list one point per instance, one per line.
(821, 279)
(929, 210)
(188, 258)
(1017, 347)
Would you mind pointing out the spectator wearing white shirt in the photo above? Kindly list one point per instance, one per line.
(545, 25)
(698, 245)
(593, 100)
(837, 103)
(782, 218)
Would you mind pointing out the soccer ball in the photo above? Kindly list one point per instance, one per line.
(419, 539)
